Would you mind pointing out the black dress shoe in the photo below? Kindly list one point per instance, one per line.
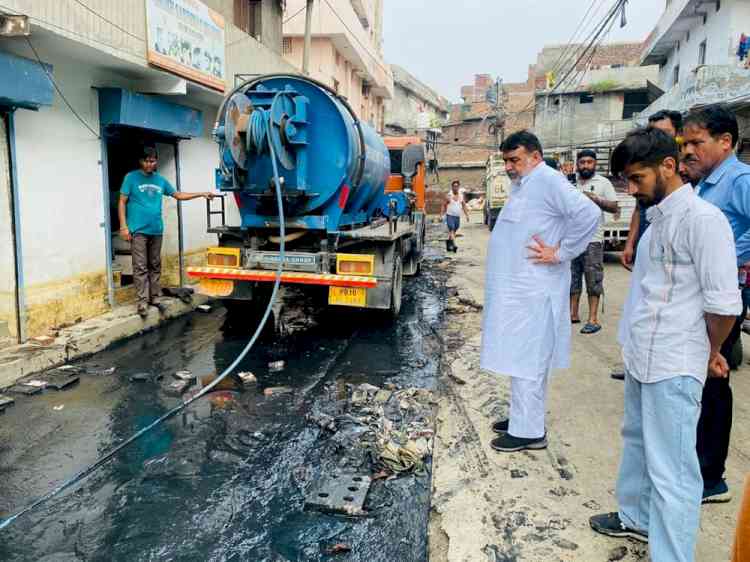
(500, 427)
(506, 443)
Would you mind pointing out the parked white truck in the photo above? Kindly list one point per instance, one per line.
(497, 188)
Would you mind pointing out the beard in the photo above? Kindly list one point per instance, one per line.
(660, 191)
(586, 173)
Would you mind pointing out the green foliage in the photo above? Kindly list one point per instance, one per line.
(603, 86)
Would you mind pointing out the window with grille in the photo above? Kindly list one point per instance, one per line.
(676, 75)
(247, 16)
(286, 46)
(702, 53)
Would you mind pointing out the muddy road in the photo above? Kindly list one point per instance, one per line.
(225, 479)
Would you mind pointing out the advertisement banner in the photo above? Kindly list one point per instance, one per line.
(186, 37)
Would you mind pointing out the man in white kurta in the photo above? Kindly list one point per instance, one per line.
(526, 328)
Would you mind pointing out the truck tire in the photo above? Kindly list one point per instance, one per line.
(396, 288)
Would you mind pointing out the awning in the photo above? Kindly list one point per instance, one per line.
(128, 109)
(25, 82)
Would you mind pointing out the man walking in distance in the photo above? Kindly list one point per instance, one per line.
(453, 205)
(671, 123)
(711, 135)
(141, 224)
(681, 306)
(590, 264)
(526, 325)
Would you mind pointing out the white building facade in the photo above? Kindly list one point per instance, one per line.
(696, 44)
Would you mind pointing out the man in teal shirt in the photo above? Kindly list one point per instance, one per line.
(141, 224)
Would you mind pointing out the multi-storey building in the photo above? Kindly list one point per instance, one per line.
(346, 51)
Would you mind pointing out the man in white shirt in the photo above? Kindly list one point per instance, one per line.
(590, 264)
(682, 305)
(526, 325)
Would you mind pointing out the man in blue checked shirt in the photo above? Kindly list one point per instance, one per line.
(711, 136)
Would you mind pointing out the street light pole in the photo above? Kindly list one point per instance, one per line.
(308, 38)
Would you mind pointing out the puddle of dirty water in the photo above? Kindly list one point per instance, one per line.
(225, 479)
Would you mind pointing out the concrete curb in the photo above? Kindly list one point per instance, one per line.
(87, 338)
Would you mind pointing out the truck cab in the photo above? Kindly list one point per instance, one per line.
(407, 167)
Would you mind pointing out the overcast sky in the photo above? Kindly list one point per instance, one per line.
(444, 42)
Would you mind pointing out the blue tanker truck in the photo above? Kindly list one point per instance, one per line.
(345, 236)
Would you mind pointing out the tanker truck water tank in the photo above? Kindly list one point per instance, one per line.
(333, 167)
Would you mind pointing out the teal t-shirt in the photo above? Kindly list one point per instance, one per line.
(144, 193)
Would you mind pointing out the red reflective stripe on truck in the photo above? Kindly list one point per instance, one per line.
(343, 196)
(289, 277)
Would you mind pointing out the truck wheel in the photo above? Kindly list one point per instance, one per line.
(396, 288)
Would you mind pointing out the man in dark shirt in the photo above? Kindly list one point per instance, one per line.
(671, 123)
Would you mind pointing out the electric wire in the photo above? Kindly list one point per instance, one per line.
(110, 22)
(594, 41)
(555, 68)
(59, 91)
(174, 411)
(374, 58)
(72, 32)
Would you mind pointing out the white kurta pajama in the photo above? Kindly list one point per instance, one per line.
(526, 326)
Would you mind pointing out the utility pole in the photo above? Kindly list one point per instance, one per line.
(308, 38)
(499, 113)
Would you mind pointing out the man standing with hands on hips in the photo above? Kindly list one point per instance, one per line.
(526, 326)
(141, 224)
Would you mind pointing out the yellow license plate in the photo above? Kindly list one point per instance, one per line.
(347, 296)
(216, 287)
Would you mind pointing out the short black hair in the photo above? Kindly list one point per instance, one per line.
(674, 116)
(552, 163)
(149, 151)
(525, 139)
(586, 153)
(717, 120)
(455, 182)
(649, 147)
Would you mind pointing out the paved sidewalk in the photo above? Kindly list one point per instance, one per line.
(86, 338)
(535, 506)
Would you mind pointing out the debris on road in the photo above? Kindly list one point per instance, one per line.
(58, 408)
(338, 548)
(43, 340)
(276, 366)
(391, 427)
(178, 387)
(227, 383)
(185, 294)
(35, 383)
(60, 381)
(247, 378)
(5, 401)
(203, 308)
(99, 371)
(184, 376)
(144, 377)
(274, 390)
(339, 493)
(24, 389)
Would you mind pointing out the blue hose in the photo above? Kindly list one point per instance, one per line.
(177, 409)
